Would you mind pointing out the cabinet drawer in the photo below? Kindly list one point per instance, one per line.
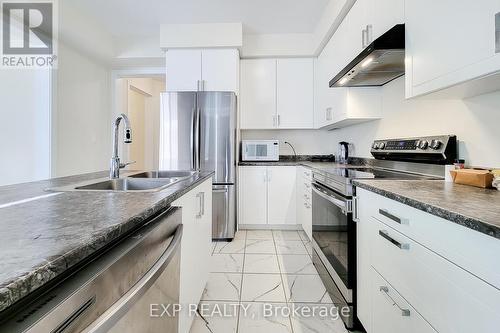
(451, 299)
(467, 248)
(391, 312)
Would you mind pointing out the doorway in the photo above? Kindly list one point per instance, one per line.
(139, 98)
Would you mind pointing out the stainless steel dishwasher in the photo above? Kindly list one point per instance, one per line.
(115, 292)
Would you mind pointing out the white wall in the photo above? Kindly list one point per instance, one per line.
(305, 142)
(82, 112)
(475, 121)
(277, 45)
(25, 139)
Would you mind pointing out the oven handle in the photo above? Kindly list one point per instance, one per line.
(343, 204)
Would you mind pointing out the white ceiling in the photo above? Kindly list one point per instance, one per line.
(143, 17)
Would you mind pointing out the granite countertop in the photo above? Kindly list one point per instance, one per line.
(43, 237)
(472, 207)
(310, 161)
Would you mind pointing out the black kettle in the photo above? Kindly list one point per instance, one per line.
(343, 152)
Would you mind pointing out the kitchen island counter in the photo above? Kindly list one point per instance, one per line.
(45, 233)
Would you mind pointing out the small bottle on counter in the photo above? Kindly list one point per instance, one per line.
(459, 164)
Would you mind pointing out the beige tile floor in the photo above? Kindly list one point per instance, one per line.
(258, 278)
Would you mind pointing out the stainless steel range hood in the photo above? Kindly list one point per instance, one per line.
(381, 62)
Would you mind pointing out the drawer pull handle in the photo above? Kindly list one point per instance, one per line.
(385, 235)
(385, 291)
(393, 217)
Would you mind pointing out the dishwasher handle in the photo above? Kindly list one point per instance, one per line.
(123, 305)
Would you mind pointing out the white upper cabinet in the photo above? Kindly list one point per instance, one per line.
(258, 94)
(384, 15)
(277, 93)
(220, 70)
(295, 89)
(203, 70)
(340, 107)
(450, 42)
(183, 70)
(366, 21)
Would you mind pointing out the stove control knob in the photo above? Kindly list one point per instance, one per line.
(436, 144)
(375, 145)
(423, 144)
(381, 145)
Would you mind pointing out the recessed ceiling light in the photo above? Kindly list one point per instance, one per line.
(343, 80)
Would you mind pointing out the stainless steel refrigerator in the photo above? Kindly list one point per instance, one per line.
(198, 132)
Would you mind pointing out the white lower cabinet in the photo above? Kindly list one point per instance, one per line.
(304, 200)
(363, 263)
(252, 195)
(267, 195)
(413, 270)
(281, 195)
(195, 247)
(391, 312)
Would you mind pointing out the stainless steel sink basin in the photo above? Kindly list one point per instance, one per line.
(127, 184)
(164, 174)
(149, 181)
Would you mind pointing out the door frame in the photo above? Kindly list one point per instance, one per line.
(135, 72)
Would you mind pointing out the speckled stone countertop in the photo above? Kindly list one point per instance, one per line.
(472, 207)
(310, 161)
(42, 238)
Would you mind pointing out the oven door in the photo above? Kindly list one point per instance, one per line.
(334, 236)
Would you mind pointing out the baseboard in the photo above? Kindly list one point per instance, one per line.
(269, 227)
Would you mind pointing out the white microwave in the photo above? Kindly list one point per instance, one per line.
(260, 150)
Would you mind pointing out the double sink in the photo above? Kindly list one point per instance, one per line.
(149, 181)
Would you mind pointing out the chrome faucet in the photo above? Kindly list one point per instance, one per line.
(114, 171)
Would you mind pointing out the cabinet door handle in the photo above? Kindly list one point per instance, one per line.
(497, 32)
(369, 34)
(201, 210)
(393, 217)
(198, 85)
(385, 290)
(386, 236)
(355, 213)
(274, 121)
(279, 120)
(363, 38)
(329, 114)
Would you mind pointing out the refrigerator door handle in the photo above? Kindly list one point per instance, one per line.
(192, 139)
(197, 139)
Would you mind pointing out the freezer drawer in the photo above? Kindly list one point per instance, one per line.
(223, 212)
